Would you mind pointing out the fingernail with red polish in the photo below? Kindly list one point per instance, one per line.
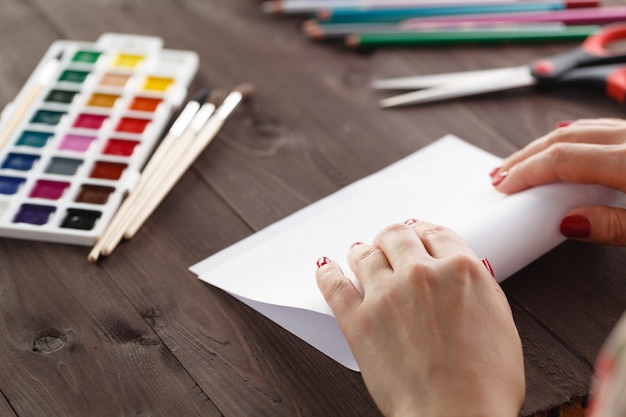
(497, 180)
(322, 261)
(575, 227)
(355, 244)
(488, 266)
(564, 123)
(494, 171)
(410, 222)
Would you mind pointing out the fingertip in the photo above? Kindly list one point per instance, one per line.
(494, 172)
(515, 179)
(598, 224)
(563, 123)
(338, 290)
(575, 226)
(498, 178)
(326, 267)
(322, 261)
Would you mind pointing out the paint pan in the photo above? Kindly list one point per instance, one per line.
(69, 164)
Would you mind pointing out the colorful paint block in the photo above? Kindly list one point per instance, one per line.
(67, 167)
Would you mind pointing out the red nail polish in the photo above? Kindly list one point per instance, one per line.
(564, 123)
(494, 171)
(488, 266)
(355, 244)
(499, 178)
(410, 222)
(575, 227)
(322, 261)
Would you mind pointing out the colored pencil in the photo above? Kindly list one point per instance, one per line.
(312, 6)
(456, 37)
(320, 30)
(585, 16)
(176, 131)
(16, 116)
(400, 14)
(324, 31)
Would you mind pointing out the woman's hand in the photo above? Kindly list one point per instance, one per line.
(432, 332)
(588, 152)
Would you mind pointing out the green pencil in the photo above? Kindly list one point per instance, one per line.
(459, 37)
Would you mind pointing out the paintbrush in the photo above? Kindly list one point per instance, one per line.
(204, 137)
(176, 131)
(16, 116)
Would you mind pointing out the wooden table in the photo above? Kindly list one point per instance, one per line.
(138, 334)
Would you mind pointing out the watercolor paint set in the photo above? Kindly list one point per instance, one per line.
(81, 129)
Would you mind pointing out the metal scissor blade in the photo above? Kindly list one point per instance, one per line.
(433, 80)
(514, 78)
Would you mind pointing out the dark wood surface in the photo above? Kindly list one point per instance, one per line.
(138, 334)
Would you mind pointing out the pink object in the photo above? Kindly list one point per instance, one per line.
(563, 123)
(488, 266)
(89, 121)
(51, 190)
(582, 16)
(77, 143)
(322, 261)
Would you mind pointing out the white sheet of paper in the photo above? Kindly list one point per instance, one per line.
(447, 182)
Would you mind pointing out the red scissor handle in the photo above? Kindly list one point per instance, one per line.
(597, 43)
(616, 85)
(592, 52)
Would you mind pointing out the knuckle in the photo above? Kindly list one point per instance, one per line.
(391, 233)
(465, 264)
(423, 277)
(420, 271)
(364, 254)
(460, 268)
(429, 230)
(392, 230)
(559, 136)
(557, 156)
(557, 152)
(466, 269)
(616, 224)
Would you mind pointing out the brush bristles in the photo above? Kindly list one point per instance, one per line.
(217, 96)
(246, 90)
(200, 96)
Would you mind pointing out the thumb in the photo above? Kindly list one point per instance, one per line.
(599, 224)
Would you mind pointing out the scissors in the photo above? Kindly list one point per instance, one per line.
(592, 63)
